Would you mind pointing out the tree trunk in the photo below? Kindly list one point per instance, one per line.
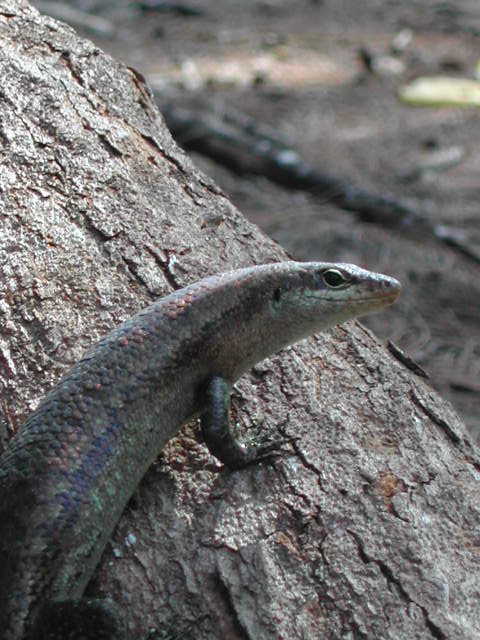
(369, 529)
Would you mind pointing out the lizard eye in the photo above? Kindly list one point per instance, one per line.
(334, 279)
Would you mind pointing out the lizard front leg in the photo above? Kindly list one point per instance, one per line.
(218, 434)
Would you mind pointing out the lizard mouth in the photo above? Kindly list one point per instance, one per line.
(383, 300)
(391, 297)
(381, 297)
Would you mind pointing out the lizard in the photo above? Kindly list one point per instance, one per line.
(68, 473)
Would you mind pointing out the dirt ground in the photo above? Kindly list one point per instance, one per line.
(324, 75)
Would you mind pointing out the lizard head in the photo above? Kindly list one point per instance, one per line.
(275, 305)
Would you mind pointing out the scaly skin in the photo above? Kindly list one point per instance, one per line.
(67, 475)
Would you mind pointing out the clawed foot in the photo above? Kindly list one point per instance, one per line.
(266, 449)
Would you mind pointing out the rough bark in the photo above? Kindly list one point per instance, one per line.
(368, 530)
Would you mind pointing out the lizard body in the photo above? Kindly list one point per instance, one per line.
(67, 475)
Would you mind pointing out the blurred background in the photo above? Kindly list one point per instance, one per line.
(348, 131)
